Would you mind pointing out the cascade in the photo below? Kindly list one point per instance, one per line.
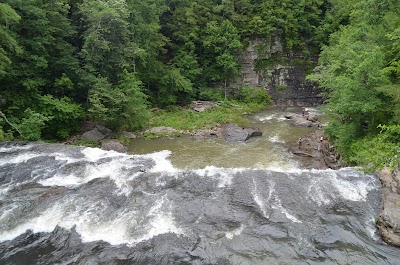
(75, 205)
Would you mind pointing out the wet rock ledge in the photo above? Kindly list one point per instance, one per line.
(315, 152)
(388, 224)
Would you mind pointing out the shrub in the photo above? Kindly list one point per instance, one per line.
(254, 95)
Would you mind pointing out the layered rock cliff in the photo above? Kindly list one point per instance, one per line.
(265, 63)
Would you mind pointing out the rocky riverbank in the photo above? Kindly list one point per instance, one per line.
(315, 151)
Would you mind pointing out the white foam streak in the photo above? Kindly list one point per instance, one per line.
(317, 194)
(276, 139)
(163, 165)
(21, 158)
(14, 148)
(260, 200)
(353, 191)
(46, 222)
(223, 175)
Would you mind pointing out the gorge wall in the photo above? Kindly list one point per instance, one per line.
(265, 63)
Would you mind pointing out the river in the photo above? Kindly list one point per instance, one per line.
(180, 201)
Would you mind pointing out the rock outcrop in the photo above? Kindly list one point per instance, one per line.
(388, 224)
(266, 63)
(315, 151)
(307, 120)
(230, 132)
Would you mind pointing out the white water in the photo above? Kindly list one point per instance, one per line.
(93, 225)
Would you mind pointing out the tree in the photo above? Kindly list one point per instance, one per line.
(222, 45)
(121, 107)
(107, 47)
(359, 71)
(8, 43)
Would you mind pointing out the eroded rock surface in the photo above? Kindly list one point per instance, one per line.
(315, 151)
(389, 220)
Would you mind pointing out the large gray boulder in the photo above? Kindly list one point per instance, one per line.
(93, 135)
(233, 133)
(301, 122)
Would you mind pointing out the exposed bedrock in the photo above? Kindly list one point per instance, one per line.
(389, 220)
(266, 63)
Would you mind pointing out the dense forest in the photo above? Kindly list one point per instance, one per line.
(110, 61)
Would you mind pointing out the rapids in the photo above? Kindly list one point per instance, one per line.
(73, 205)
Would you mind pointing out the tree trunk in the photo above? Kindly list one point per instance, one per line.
(9, 123)
(225, 89)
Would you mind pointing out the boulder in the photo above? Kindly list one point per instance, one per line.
(388, 224)
(129, 135)
(93, 135)
(299, 120)
(113, 145)
(104, 130)
(233, 133)
(161, 130)
(312, 117)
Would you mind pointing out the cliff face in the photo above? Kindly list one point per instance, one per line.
(266, 64)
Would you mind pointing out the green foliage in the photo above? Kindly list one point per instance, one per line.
(65, 116)
(2, 135)
(62, 60)
(32, 124)
(210, 94)
(8, 43)
(187, 119)
(121, 107)
(359, 70)
(378, 151)
(255, 95)
(222, 42)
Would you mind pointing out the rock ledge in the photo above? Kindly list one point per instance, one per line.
(388, 224)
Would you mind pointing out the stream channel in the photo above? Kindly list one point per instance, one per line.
(182, 201)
